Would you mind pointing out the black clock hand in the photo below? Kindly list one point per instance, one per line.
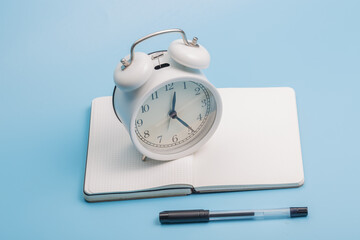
(173, 102)
(173, 108)
(183, 123)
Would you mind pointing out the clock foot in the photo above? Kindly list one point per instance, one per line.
(143, 158)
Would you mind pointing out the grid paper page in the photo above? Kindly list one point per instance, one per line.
(257, 144)
(113, 163)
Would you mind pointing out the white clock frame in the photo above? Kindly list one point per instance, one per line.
(132, 90)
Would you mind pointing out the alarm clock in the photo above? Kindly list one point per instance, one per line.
(165, 102)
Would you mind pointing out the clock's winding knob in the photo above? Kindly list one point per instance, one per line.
(125, 62)
(193, 55)
(131, 76)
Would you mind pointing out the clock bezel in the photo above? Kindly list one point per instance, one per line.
(180, 151)
(208, 118)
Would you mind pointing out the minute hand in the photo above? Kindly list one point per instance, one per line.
(173, 101)
(183, 123)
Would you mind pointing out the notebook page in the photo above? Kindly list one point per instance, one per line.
(113, 163)
(256, 144)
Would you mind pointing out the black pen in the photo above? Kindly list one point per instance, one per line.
(200, 215)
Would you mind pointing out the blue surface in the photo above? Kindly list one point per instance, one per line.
(55, 57)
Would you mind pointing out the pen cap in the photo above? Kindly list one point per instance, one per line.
(185, 216)
(298, 212)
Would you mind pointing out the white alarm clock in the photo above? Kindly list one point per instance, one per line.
(166, 103)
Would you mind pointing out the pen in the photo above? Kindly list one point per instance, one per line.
(201, 215)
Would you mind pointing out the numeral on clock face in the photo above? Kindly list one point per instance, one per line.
(197, 91)
(169, 87)
(145, 108)
(154, 95)
(139, 122)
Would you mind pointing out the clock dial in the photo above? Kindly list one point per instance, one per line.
(176, 115)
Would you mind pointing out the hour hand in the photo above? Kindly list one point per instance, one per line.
(184, 123)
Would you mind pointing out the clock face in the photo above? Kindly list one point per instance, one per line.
(175, 117)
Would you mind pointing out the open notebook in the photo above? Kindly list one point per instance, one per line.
(257, 146)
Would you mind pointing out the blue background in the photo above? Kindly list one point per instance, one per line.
(56, 56)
